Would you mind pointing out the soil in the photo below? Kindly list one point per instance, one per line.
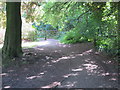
(51, 64)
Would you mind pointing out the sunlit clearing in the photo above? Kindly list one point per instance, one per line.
(32, 44)
(52, 85)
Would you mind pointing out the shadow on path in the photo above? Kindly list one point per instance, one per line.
(56, 65)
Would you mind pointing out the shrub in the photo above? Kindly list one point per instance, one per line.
(73, 36)
(30, 35)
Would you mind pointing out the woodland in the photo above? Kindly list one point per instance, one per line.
(70, 23)
(75, 22)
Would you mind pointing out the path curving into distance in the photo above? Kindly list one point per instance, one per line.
(50, 64)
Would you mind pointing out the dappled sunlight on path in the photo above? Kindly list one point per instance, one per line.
(54, 65)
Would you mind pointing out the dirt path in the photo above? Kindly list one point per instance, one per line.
(54, 65)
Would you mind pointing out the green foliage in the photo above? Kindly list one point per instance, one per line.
(2, 14)
(42, 26)
(73, 37)
(32, 36)
(76, 22)
(82, 22)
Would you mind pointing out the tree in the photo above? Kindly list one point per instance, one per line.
(12, 42)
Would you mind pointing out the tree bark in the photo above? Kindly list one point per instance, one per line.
(12, 42)
(119, 27)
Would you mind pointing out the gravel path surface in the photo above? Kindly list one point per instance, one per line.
(50, 64)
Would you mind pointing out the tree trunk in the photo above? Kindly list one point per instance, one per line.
(119, 28)
(12, 42)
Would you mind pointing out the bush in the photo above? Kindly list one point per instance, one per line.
(31, 36)
(73, 36)
(108, 45)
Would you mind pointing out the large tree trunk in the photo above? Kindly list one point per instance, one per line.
(119, 27)
(12, 42)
